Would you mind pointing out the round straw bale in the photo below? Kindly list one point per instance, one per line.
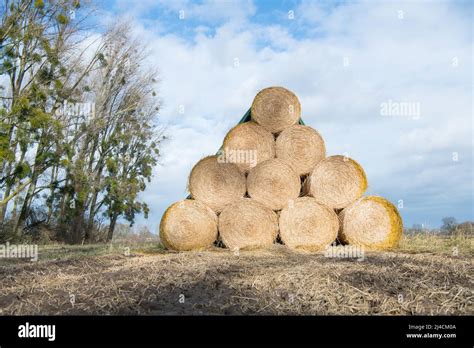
(247, 224)
(301, 147)
(371, 222)
(336, 182)
(308, 225)
(248, 144)
(188, 225)
(275, 108)
(273, 183)
(216, 184)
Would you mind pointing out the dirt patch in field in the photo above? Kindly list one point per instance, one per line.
(275, 281)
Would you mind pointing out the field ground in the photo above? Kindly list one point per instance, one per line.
(426, 275)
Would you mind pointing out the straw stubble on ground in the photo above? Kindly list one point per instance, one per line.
(274, 281)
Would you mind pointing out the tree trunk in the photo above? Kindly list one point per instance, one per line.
(26, 206)
(8, 188)
(7, 193)
(113, 221)
(3, 210)
(90, 223)
(95, 194)
(62, 212)
(78, 222)
(31, 190)
(65, 198)
(54, 177)
(15, 207)
(95, 190)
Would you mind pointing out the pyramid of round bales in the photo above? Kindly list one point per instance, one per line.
(272, 181)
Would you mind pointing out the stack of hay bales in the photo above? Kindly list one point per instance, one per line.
(272, 179)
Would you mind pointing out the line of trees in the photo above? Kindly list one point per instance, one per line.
(78, 132)
(449, 227)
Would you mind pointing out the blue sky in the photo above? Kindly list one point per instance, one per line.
(344, 60)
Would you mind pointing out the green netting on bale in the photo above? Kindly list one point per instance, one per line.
(247, 117)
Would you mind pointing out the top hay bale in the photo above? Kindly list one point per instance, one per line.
(371, 222)
(336, 182)
(275, 108)
(188, 225)
(216, 184)
(246, 145)
(301, 147)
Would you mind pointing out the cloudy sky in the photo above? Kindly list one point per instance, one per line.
(348, 62)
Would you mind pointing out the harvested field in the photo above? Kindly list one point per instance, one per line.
(274, 281)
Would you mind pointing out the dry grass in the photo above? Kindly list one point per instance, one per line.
(462, 245)
(275, 281)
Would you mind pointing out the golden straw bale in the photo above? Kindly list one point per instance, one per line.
(371, 222)
(247, 144)
(308, 225)
(216, 184)
(273, 183)
(301, 147)
(188, 225)
(247, 224)
(336, 182)
(275, 108)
